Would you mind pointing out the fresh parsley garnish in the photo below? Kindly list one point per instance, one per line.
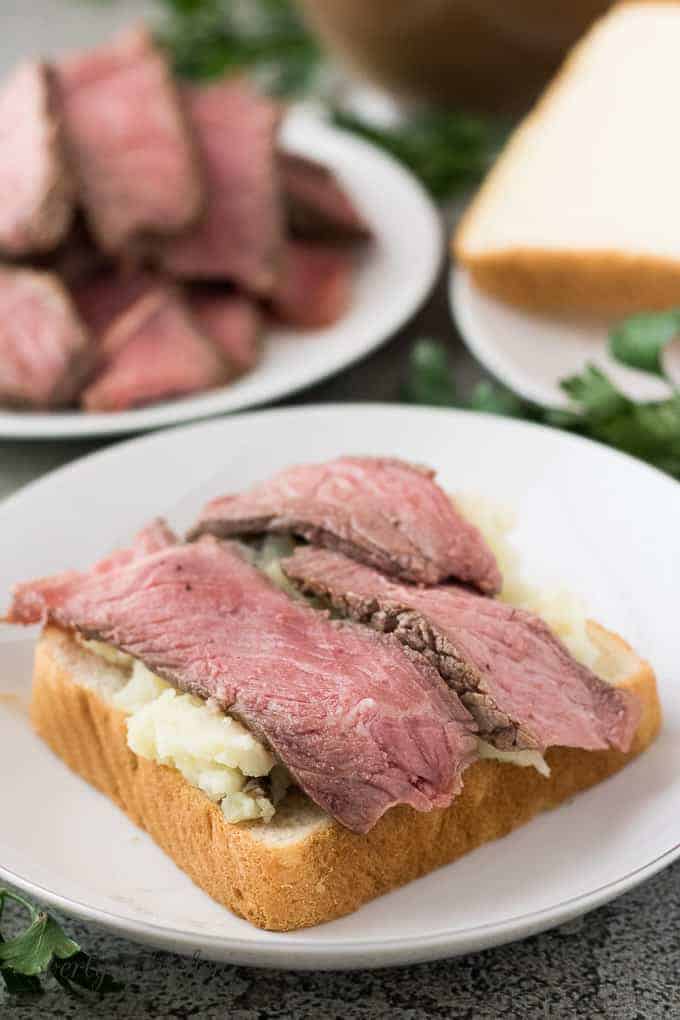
(640, 339)
(43, 948)
(209, 38)
(597, 397)
(449, 151)
(650, 431)
(32, 951)
(495, 399)
(430, 379)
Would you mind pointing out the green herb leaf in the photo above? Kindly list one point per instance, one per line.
(495, 399)
(32, 951)
(597, 396)
(208, 38)
(430, 376)
(18, 984)
(43, 947)
(650, 431)
(449, 151)
(640, 339)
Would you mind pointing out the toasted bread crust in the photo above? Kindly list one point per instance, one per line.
(602, 283)
(329, 871)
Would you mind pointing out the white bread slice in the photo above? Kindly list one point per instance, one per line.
(302, 868)
(580, 212)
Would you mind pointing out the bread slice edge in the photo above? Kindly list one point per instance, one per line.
(302, 868)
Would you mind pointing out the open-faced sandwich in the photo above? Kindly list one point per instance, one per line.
(335, 685)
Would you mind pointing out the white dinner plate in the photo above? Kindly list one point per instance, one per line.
(590, 519)
(394, 275)
(531, 353)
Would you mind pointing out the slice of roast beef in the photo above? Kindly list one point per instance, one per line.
(154, 351)
(33, 602)
(317, 206)
(101, 299)
(76, 259)
(238, 237)
(36, 185)
(379, 510)
(129, 143)
(234, 323)
(360, 722)
(518, 680)
(44, 347)
(314, 286)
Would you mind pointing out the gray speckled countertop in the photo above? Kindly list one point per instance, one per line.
(622, 961)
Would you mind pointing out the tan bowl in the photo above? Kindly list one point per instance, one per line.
(485, 54)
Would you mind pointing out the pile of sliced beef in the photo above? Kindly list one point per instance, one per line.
(383, 706)
(150, 230)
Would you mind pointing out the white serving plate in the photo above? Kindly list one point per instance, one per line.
(531, 353)
(394, 275)
(592, 520)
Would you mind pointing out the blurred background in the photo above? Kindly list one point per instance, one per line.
(484, 54)
(452, 75)
(439, 84)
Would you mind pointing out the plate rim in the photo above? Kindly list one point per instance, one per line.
(465, 323)
(277, 949)
(349, 954)
(73, 425)
(349, 406)
(462, 290)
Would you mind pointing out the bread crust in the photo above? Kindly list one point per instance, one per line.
(608, 282)
(329, 871)
(597, 282)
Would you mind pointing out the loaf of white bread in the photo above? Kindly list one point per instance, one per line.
(581, 210)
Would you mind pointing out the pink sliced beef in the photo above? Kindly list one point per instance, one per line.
(102, 298)
(44, 347)
(317, 206)
(314, 286)
(234, 323)
(384, 512)
(152, 352)
(36, 185)
(360, 722)
(515, 676)
(238, 237)
(76, 259)
(129, 143)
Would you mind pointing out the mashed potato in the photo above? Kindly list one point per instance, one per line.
(562, 611)
(213, 751)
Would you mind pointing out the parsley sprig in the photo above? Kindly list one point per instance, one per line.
(448, 150)
(208, 38)
(43, 948)
(649, 430)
